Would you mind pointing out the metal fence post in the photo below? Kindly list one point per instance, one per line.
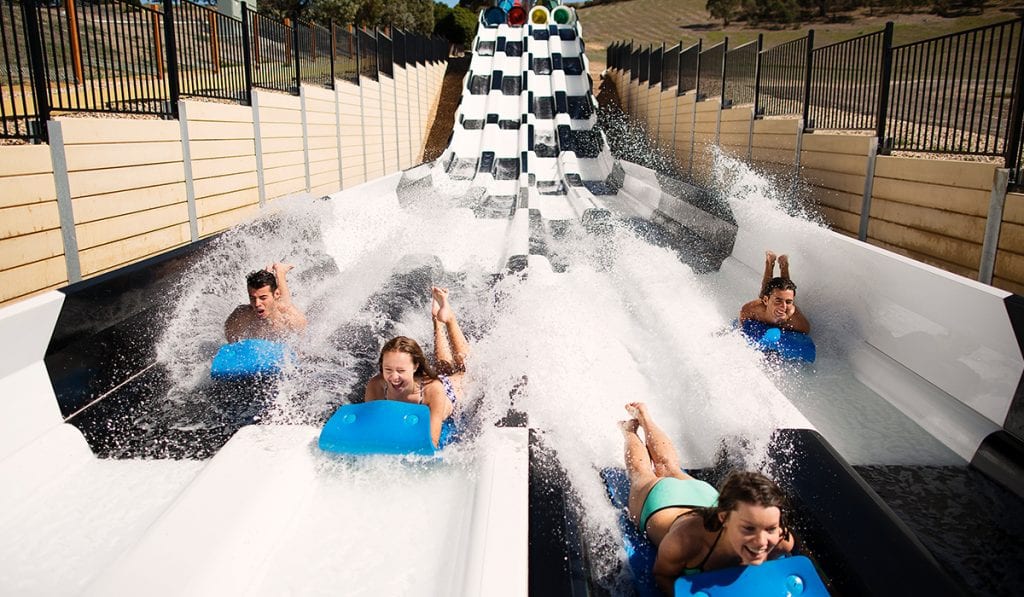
(809, 63)
(883, 91)
(295, 52)
(334, 49)
(757, 96)
(246, 54)
(40, 86)
(1013, 134)
(993, 224)
(359, 51)
(693, 113)
(757, 73)
(722, 99)
(172, 57)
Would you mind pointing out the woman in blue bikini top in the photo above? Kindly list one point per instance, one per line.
(694, 527)
(404, 373)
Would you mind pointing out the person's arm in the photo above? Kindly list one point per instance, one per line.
(373, 389)
(234, 327)
(673, 554)
(292, 317)
(748, 310)
(440, 407)
(796, 321)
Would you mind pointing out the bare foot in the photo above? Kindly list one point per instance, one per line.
(629, 426)
(439, 308)
(638, 410)
(769, 259)
(784, 266)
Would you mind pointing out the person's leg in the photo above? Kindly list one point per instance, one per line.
(663, 455)
(638, 468)
(769, 270)
(442, 348)
(784, 266)
(458, 347)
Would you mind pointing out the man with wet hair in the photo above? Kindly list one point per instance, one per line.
(776, 306)
(270, 314)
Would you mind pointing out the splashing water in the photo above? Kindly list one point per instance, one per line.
(622, 321)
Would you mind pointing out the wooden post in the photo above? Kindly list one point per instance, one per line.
(76, 45)
(214, 46)
(158, 46)
(288, 42)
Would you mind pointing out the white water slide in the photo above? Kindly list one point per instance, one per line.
(565, 263)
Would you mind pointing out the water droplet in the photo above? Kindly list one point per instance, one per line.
(794, 585)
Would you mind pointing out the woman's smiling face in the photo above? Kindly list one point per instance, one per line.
(752, 531)
(399, 372)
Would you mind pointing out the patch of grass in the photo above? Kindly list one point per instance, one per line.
(673, 21)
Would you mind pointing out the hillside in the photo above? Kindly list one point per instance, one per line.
(672, 21)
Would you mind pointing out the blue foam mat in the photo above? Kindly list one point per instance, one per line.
(785, 577)
(789, 345)
(249, 357)
(383, 427)
(640, 553)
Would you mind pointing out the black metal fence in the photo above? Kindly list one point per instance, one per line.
(101, 56)
(657, 56)
(366, 44)
(670, 68)
(710, 71)
(689, 68)
(846, 80)
(19, 117)
(783, 77)
(385, 55)
(740, 74)
(961, 93)
(271, 48)
(645, 64)
(210, 53)
(119, 56)
(960, 86)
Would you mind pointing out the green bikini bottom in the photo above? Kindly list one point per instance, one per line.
(670, 492)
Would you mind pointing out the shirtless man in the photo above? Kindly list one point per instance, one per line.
(776, 305)
(270, 313)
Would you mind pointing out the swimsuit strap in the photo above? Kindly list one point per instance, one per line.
(414, 381)
(710, 551)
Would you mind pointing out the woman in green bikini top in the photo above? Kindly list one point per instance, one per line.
(695, 527)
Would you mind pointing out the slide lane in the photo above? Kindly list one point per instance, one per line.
(512, 155)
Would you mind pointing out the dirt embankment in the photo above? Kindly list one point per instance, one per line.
(444, 116)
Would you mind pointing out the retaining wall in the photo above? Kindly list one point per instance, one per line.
(952, 214)
(107, 192)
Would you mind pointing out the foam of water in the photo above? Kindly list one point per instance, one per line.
(864, 427)
(626, 321)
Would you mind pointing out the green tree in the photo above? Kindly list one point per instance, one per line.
(342, 12)
(458, 26)
(723, 9)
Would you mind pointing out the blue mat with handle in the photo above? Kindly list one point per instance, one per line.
(383, 427)
(249, 357)
(785, 577)
(789, 345)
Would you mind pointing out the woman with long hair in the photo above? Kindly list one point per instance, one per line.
(694, 527)
(405, 374)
